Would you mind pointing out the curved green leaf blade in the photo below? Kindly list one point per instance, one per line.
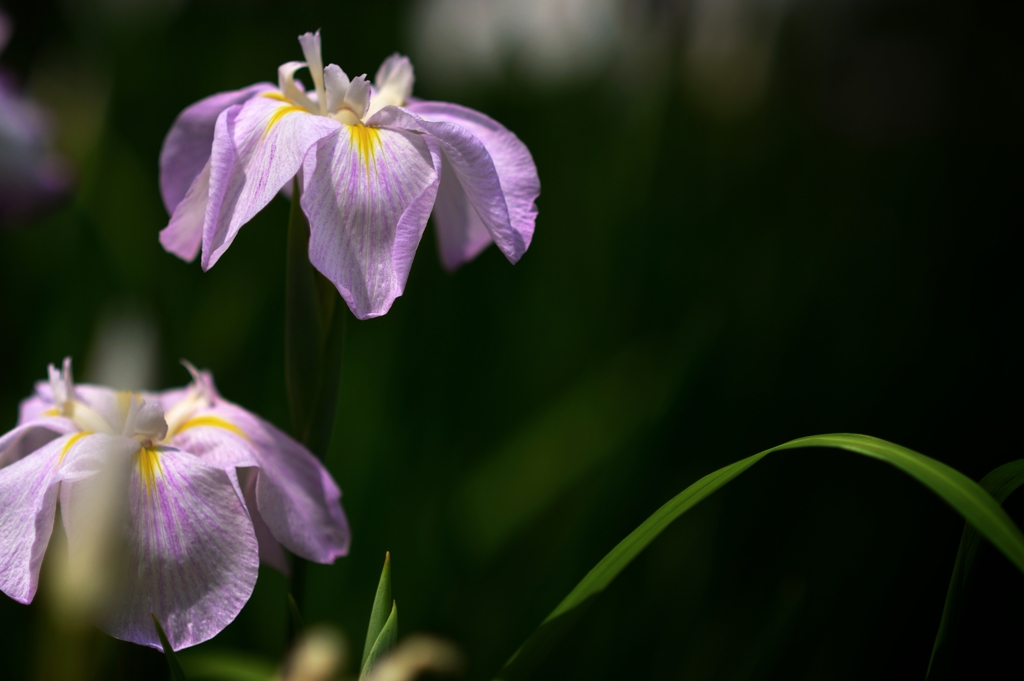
(1000, 483)
(177, 674)
(381, 611)
(959, 491)
(384, 643)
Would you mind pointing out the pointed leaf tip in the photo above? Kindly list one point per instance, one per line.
(177, 673)
(383, 605)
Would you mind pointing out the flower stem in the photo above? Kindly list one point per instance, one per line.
(313, 341)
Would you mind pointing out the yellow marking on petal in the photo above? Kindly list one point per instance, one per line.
(52, 411)
(279, 113)
(213, 422)
(148, 461)
(71, 441)
(366, 140)
(276, 95)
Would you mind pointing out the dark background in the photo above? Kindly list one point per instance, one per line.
(708, 279)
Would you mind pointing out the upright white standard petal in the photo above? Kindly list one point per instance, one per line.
(290, 89)
(393, 82)
(310, 43)
(336, 83)
(368, 194)
(358, 96)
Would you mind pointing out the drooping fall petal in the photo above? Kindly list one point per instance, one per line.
(186, 148)
(191, 553)
(461, 232)
(471, 166)
(295, 495)
(31, 435)
(258, 147)
(183, 235)
(369, 192)
(28, 488)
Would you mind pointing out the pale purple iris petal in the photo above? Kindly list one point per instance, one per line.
(34, 406)
(191, 550)
(258, 147)
(30, 435)
(271, 551)
(28, 488)
(369, 192)
(186, 148)
(183, 235)
(460, 231)
(215, 444)
(472, 167)
(295, 495)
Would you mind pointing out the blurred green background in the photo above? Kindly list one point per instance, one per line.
(799, 223)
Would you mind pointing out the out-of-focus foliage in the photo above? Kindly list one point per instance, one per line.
(717, 267)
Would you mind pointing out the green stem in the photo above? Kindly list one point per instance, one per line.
(314, 341)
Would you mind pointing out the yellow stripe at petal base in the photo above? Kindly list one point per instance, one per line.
(279, 113)
(366, 141)
(71, 441)
(212, 422)
(148, 461)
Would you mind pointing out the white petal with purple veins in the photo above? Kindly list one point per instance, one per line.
(368, 194)
(461, 232)
(472, 167)
(186, 148)
(258, 147)
(191, 554)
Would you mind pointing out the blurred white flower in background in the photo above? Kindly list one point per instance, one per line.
(125, 350)
(416, 655)
(728, 51)
(549, 41)
(725, 46)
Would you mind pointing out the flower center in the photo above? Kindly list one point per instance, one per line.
(336, 95)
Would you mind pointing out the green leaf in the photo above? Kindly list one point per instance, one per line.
(384, 643)
(177, 674)
(225, 665)
(380, 613)
(999, 483)
(959, 491)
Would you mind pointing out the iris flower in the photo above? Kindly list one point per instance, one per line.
(211, 489)
(372, 164)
